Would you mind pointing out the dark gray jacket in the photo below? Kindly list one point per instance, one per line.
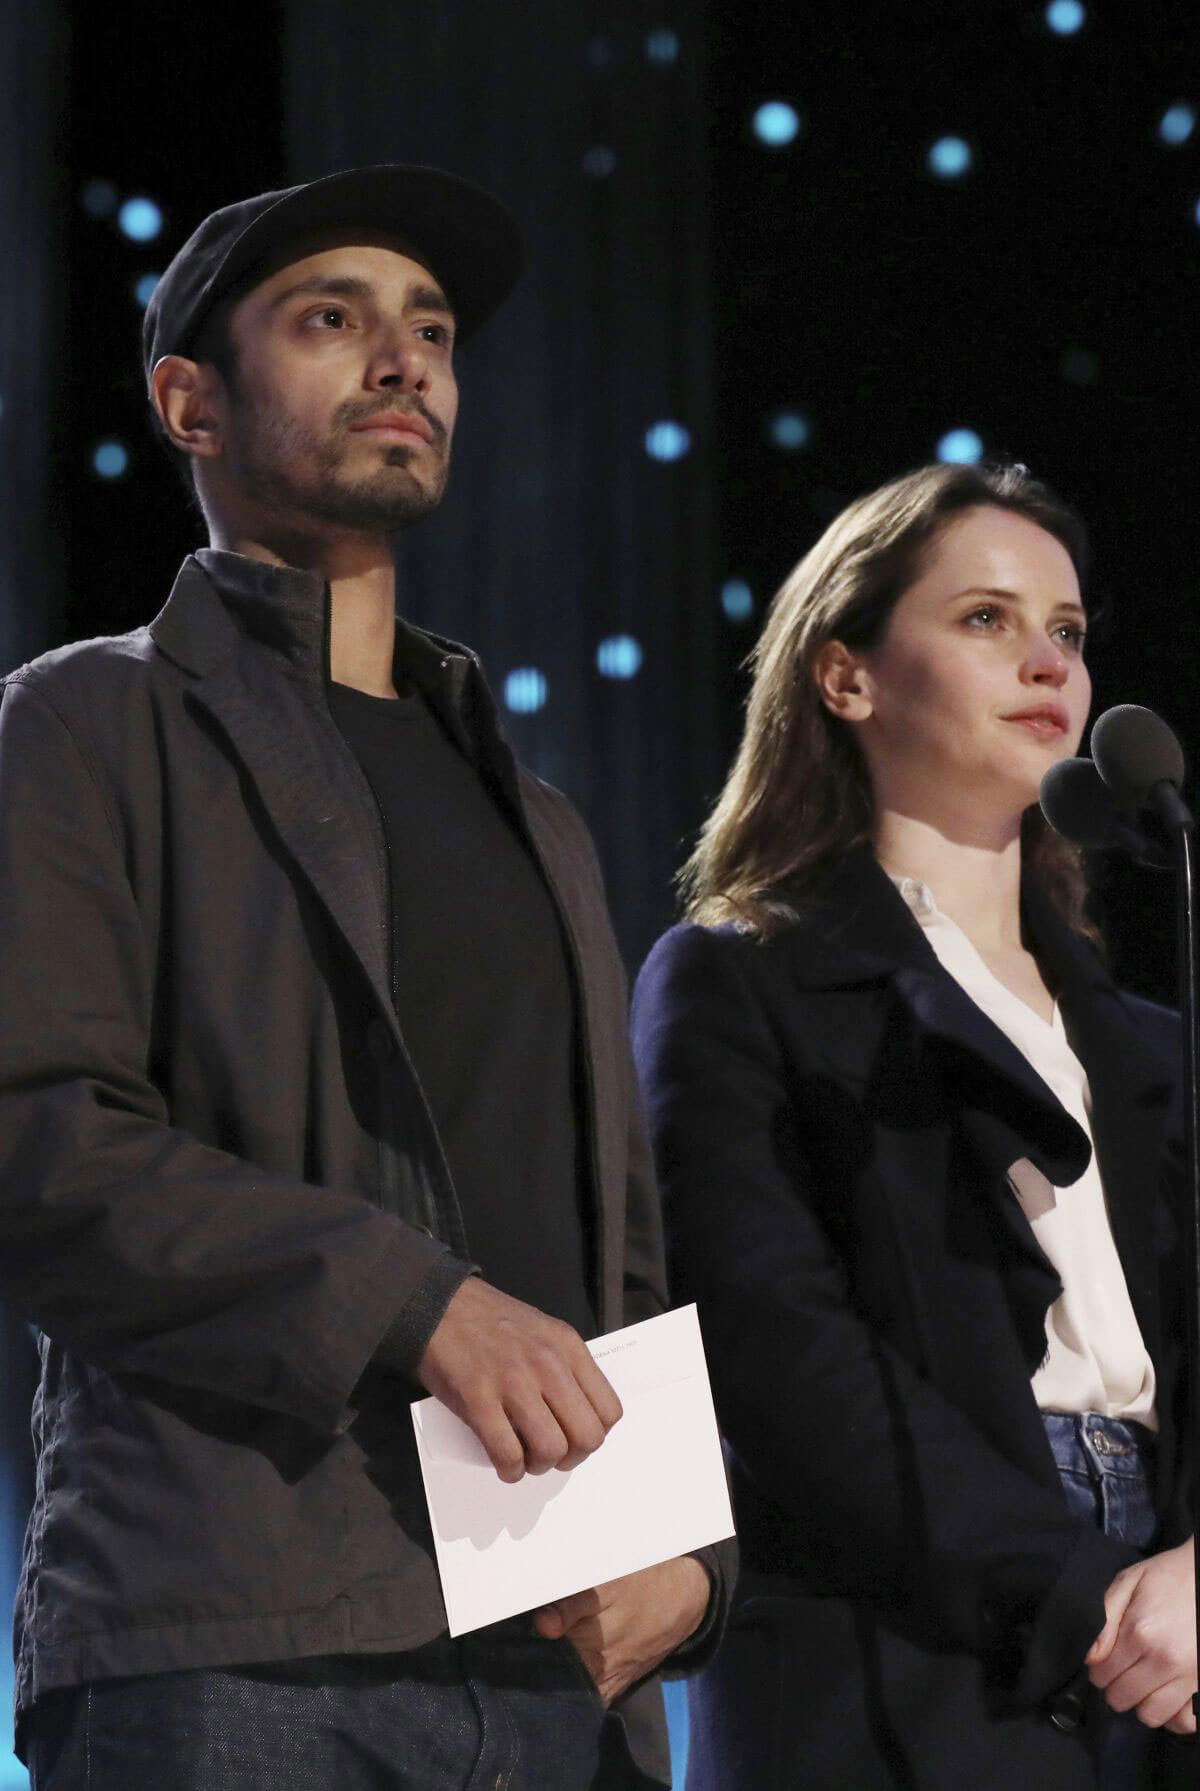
(220, 1186)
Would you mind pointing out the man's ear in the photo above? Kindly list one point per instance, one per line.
(188, 396)
(842, 680)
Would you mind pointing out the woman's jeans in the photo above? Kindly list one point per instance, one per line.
(503, 1709)
(1107, 1470)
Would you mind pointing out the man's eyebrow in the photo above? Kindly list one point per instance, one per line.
(420, 298)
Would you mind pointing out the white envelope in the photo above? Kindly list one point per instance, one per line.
(654, 1489)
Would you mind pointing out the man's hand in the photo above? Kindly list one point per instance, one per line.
(526, 1384)
(1144, 1658)
(625, 1627)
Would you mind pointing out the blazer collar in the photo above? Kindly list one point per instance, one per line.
(858, 931)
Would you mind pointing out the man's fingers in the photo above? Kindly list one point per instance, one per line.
(504, 1448)
(581, 1428)
(574, 1610)
(545, 1446)
(519, 1379)
(596, 1387)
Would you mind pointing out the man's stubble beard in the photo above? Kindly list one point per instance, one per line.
(288, 471)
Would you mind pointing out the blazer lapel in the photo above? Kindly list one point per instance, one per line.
(931, 1035)
(1008, 1109)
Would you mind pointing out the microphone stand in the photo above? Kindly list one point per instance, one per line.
(1181, 826)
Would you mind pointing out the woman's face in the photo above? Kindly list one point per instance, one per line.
(978, 685)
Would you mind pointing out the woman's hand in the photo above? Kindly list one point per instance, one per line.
(1144, 1658)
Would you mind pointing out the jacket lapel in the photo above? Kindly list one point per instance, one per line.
(1008, 1109)
(932, 1035)
(306, 791)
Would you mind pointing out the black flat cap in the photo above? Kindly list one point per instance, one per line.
(464, 236)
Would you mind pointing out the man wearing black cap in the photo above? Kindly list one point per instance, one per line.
(313, 1085)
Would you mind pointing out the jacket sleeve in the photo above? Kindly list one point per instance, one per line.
(644, 1278)
(888, 1491)
(125, 1239)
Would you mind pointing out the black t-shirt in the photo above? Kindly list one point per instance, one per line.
(484, 999)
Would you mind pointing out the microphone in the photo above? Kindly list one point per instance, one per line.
(1141, 761)
(1079, 805)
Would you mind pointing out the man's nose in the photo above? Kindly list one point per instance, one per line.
(398, 365)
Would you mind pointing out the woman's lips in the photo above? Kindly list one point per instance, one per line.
(1048, 723)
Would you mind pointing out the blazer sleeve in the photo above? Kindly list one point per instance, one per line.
(123, 1238)
(893, 1494)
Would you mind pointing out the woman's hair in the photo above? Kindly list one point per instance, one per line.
(798, 795)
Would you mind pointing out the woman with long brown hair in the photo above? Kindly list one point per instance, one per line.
(914, 1149)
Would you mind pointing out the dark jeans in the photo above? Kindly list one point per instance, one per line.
(1107, 1471)
(503, 1709)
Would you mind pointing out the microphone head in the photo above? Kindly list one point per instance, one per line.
(1079, 804)
(1134, 750)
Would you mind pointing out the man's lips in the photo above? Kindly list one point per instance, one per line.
(394, 425)
(1047, 719)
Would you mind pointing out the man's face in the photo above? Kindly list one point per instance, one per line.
(343, 400)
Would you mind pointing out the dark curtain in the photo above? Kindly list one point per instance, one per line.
(560, 531)
(30, 93)
(31, 86)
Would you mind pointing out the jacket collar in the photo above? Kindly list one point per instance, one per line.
(286, 610)
(857, 931)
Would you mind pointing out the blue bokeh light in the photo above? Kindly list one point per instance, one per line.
(620, 656)
(143, 288)
(789, 430)
(140, 220)
(1065, 17)
(98, 198)
(961, 447)
(667, 441)
(1177, 123)
(599, 161)
(662, 46)
(737, 599)
(110, 459)
(525, 690)
(776, 124)
(949, 158)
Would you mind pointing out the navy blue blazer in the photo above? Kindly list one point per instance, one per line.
(834, 1120)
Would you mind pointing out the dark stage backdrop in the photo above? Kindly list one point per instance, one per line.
(1041, 293)
(30, 298)
(719, 340)
(561, 533)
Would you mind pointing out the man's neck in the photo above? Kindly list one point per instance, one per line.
(362, 584)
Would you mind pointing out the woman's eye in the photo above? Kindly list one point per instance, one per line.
(437, 333)
(1071, 635)
(984, 616)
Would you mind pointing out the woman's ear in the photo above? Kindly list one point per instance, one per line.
(842, 681)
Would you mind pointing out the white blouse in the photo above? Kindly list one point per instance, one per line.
(1096, 1360)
